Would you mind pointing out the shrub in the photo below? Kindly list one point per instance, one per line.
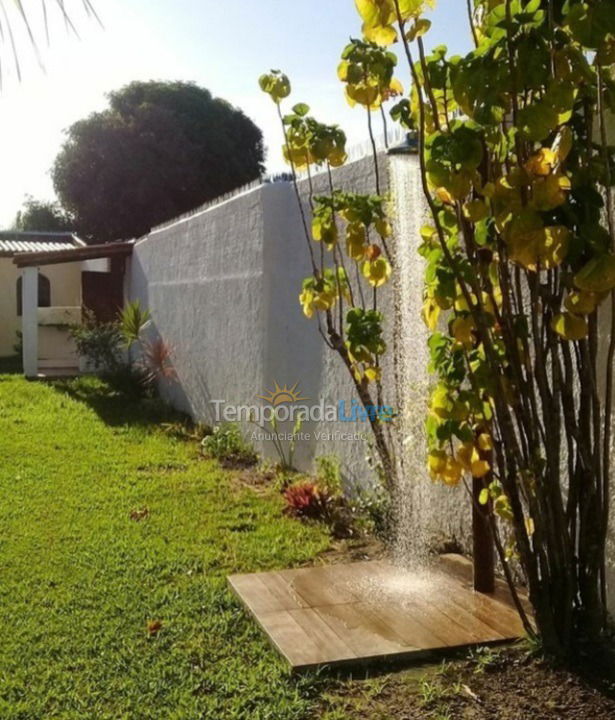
(329, 474)
(371, 508)
(130, 381)
(133, 320)
(228, 446)
(99, 343)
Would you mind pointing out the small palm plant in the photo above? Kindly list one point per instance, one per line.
(155, 356)
(133, 320)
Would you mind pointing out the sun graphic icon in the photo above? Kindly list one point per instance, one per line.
(280, 395)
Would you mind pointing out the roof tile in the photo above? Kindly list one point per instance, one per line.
(12, 243)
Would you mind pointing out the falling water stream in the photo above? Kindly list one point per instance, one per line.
(424, 514)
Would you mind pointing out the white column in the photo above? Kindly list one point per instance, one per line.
(29, 320)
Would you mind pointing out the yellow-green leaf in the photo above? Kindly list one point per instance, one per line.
(545, 248)
(569, 326)
(582, 302)
(413, 8)
(419, 29)
(377, 271)
(436, 461)
(550, 192)
(382, 35)
(356, 240)
(475, 210)
(563, 143)
(383, 227)
(373, 374)
(598, 275)
(431, 313)
(542, 162)
(462, 329)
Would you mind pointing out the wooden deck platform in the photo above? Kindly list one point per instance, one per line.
(364, 612)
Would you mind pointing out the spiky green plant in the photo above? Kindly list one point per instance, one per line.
(133, 320)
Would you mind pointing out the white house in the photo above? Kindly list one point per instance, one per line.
(59, 286)
(47, 279)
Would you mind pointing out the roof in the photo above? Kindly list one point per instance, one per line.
(13, 242)
(74, 254)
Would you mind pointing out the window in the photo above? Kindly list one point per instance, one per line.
(44, 293)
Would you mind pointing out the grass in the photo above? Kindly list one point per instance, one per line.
(80, 580)
(115, 541)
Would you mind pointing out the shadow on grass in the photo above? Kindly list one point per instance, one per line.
(117, 407)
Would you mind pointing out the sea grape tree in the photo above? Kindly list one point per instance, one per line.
(519, 255)
(346, 234)
(520, 276)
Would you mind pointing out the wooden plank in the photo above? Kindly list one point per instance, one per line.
(498, 616)
(456, 565)
(319, 586)
(408, 627)
(363, 630)
(300, 648)
(461, 567)
(285, 592)
(452, 633)
(469, 621)
(331, 647)
(256, 592)
(423, 609)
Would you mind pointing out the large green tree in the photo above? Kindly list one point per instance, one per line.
(38, 215)
(159, 150)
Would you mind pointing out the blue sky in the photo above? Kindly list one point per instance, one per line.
(221, 44)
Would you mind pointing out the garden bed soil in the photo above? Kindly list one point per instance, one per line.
(505, 684)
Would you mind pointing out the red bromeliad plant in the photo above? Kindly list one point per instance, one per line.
(157, 361)
(306, 500)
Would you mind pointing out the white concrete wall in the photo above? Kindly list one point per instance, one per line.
(604, 335)
(222, 286)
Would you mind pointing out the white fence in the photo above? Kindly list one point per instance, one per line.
(222, 286)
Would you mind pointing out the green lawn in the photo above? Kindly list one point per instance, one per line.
(80, 580)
